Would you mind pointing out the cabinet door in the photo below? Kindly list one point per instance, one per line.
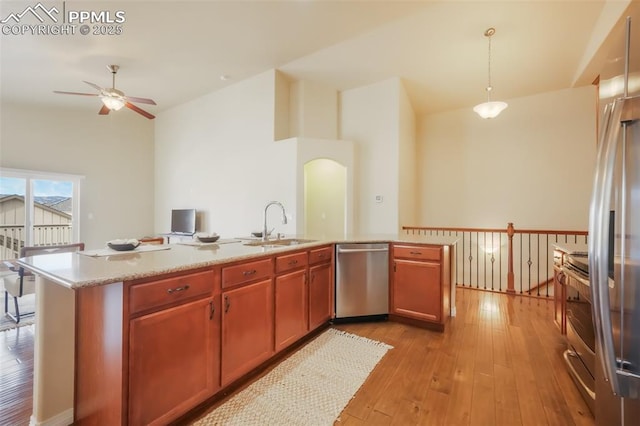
(417, 290)
(173, 361)
(320, 295)
(291, 308)
(247, 328)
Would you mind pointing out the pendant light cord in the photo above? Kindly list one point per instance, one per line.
(489, 109)
(489, 33)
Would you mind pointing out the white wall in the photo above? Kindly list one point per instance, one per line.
(114, 153)
(217, 154)
(369, 117)
(313, 110)
(532, 165)
(407, 170)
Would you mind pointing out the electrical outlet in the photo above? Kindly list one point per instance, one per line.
(378, 198)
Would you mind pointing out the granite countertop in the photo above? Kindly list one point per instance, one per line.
(77, 270)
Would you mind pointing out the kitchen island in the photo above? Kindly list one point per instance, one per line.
(112, 332)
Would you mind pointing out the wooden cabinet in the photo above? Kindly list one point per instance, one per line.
(419, 290)
(303, 298)
(416, 291)
(320, 255)
(291, 262)
(418, 253)
(156, 294)
(174, 352)
(246, 272)
(290, 308)
(321, 289)
(247, 328)
(320, 294)
(151, 350)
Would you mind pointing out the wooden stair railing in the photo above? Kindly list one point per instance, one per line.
(525, 268)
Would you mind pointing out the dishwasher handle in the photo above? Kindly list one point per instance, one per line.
(364, 250)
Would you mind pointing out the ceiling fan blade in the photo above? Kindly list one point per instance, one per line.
(75, 93)
(95, 86)
(141, 100)
(104, 110)
(139, 110)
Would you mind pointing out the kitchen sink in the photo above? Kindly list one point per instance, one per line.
(279, 243)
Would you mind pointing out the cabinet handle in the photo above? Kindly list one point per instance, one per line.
(212, 309)
(175, 290)
(321, 256)
(313, 277)
(293, 262)
(246, 273)
(415, 252)
(226, 304)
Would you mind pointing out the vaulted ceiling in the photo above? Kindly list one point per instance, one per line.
(175, 51)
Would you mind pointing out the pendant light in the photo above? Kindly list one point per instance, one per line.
(489, 109)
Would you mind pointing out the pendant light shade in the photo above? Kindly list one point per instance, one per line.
(489, 109)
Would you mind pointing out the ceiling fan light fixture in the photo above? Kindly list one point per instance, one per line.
(489, 109)
(114, 104)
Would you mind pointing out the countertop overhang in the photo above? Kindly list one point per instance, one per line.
(75, 271)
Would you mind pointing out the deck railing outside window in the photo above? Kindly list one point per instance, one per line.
(12, 238)
(482, 256)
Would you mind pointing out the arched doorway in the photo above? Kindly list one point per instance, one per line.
(325, 198)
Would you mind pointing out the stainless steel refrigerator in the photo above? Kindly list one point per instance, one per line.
(614, 235)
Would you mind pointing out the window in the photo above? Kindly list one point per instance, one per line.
(37, 209)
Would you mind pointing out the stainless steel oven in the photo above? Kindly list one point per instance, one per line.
(580, 353)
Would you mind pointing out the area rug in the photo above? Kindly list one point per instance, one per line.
(311, 387)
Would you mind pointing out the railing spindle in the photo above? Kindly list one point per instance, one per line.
(510, 276)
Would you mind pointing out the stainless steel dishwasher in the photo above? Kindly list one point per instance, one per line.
(362, 281)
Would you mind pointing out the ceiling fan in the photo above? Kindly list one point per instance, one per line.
(114, 99)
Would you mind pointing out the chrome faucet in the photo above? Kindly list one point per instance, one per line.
(284, 217)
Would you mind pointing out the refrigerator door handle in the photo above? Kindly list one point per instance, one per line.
(598, 234)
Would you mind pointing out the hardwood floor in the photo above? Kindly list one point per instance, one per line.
(497, 363)
(16, 375)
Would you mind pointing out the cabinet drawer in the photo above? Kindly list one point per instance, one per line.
(154, 294)
(291, 261)
(418, 252)
(246, 272)
(320, 255)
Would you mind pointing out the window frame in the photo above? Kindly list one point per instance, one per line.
(29, 176)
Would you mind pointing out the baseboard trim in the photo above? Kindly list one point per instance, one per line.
(62, 419)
